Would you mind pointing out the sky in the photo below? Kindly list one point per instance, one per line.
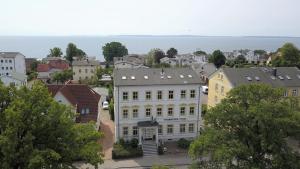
(150, 17)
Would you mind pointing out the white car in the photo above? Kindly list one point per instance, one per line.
(205, 89)
(105, 105)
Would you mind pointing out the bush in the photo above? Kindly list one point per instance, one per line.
(183, 143)
(126, 149)
(160, 150)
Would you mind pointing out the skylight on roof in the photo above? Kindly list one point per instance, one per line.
(298, 76)
(288, 77)
(169, 77)
(249, 78)
(162, 77)
(273, 77)
(124, 78)
(257, 78)
(132, 77)
(181, 76)
(280, 77)
(190, 76)
(146, 77)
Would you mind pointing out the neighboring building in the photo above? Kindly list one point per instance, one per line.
(84, 69)
(223, 80)
(28, 63)
(84, 101)
(171, 61)
(125, 64)
(129, 61)
(46, 70)
(12, 62)
(15, 79)
(156, 104)
(204, 70)
(184, 60)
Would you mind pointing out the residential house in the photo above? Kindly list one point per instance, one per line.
(130, 61)
(46, 70)
(84, 69)
(223, 80)
(12, 68)
(83, 100)
(204, 70)
(156, 105)
(171, 61)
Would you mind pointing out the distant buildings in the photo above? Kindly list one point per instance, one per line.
(84, 101)
(156, 104)
(46, 70)
(184, 60)
(223, 80)
(204, 70)
(84, 69)
(12, 68)
(130, 61)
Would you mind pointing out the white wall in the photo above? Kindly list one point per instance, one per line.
(8, 80)
(14, 64)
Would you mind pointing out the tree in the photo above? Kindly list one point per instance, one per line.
(73, 51)
(114, 49)
(259, 52)
(156, 55)
(288, 55)
(172, 52)
(63, 76)
(55, 52)
(240, 59)
(217, 58)
(249, 129)
(199, 53)
(38, 132)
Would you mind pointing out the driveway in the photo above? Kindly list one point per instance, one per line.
(107, 126)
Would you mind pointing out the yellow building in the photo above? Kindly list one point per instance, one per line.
(84, 69)
(223, 80)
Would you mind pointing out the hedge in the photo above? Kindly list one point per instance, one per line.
(124, 149)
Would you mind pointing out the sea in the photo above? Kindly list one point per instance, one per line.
(39, 46)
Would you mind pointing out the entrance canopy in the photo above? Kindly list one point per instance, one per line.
(147, 123)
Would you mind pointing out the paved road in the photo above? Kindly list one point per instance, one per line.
(175, 161)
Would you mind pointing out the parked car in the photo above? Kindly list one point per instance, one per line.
(105, 105)
(205, 89)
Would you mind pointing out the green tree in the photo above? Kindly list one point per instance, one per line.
(199, 52)
(217, 58)
(249, 128)
(240, 59)
(55, 52)
(156, 55)
(38, 132)
(172, 52)
(259, 52)
(287, 55)
(63, 76)
(73, 51)
(159, 167)
(114, 49)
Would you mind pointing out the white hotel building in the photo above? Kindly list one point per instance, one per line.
(156, 104)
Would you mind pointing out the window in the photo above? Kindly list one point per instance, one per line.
(92, 71)
(171, 94)
(1, 61)
(170, 111)
(193, 94)
(11, 68)
(216, 87)
(125, 114)
(160, 129)
(6, 68)
(148, 112)
(170, 129)
(192, 110)
(182, 128)
(159, 111)
(182, 111)
(159, 95)
(285, 94)
(148, 95)
(135, 113)
(295, 92)
(125, 95)
(87, 111)
(134, 130)
(79, 70)
(5, 61)
(216, 99)
(125, 131)
(9, 61)
(182, 94)
(191, 128)
(86, 77)
(135, 95)
(222, 90)
(86, 70)
(82, 111)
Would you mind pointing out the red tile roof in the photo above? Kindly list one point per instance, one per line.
(80, 96)
(53, 64)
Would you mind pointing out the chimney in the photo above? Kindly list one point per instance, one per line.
(274, 72)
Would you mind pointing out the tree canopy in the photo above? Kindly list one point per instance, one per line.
(172, 52)
(114, 49)
(63, 76)
(73, 51)
(155, 55)
(217, 58)
(37, 132)
(287, 55)
(249, 129)
(240, 59)
(55, 52)
(199, 52)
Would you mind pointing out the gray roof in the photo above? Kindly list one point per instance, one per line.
(205, 68)
(85, 63)
(154, 76)
(285, 76)
(9, 54)
(17, 76)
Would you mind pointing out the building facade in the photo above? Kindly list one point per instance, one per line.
(223, 80)
(156, 104)
(84, 69)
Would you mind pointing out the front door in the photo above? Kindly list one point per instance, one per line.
(148, 133)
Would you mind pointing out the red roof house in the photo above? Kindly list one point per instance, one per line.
(53, 64)
(81, 97)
